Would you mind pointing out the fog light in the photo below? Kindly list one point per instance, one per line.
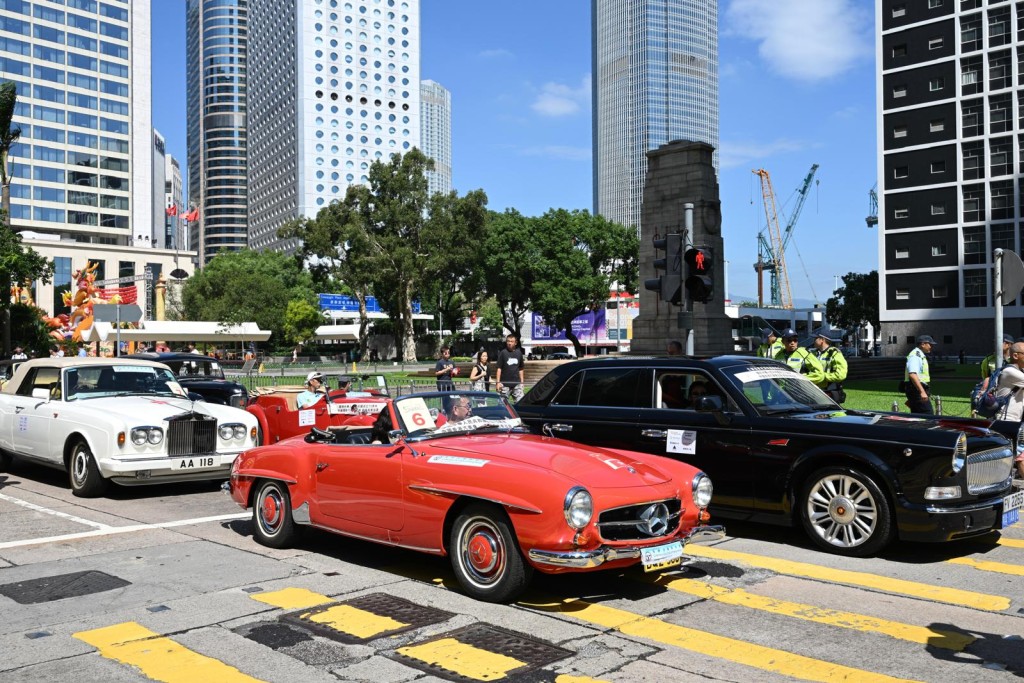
(941, 492)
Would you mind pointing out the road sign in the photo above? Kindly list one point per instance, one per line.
(107, 313)
(1013, 276)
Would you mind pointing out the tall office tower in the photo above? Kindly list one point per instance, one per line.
(436, 135)
(174, 237)
(155, 236)
(83, 166)
(333, 87)
(655, 71)
(217, 34)
(949, 145)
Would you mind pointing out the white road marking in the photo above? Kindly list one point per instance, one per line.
(107, 531)
(55, 513)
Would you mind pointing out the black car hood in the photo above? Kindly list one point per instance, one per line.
(902, 421)
(218, 385)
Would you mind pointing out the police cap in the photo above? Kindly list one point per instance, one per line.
(789, 333)
(925, 339)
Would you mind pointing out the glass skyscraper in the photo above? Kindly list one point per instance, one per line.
(82, 168)
(216, 45)
(655, 71)
(436, 143)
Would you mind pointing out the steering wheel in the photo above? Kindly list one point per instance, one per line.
(317, 435)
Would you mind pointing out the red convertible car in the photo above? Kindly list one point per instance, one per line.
(279, 416)
(457, 475)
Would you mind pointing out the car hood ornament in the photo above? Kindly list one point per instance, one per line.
(654, 520)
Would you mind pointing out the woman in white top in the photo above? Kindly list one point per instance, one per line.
(478, 375)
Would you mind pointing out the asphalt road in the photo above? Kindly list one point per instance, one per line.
(166, 583)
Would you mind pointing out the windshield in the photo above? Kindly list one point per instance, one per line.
(363, 386)
(778, 390)
(94, 381)
(197, 369)
(444, 414)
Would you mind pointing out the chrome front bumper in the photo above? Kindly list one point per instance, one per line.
(590, 559)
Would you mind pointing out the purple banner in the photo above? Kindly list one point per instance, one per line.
(587, 327)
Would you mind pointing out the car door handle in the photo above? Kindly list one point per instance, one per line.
(654, 433)
(321, 466)
(18, 409)
(557, 427)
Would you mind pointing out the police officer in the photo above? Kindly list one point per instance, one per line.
(833, 362)
(771, 345)
(799, 358)
(916, 377)
(988, 366)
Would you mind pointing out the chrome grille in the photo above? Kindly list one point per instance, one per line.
(989, 471)
(633, 522)
(191, 434)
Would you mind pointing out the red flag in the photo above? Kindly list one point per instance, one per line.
(172, 210)
(192, 215)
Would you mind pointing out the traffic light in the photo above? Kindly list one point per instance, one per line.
(669, 285)
(699, 263)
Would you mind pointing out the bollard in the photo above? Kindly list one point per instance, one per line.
(895, 407)
(938, 405)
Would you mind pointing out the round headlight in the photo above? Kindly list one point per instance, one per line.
(240, 431)
(156, 435)
(579, 508)
(140, 435)
(226, 432)
(702, 490)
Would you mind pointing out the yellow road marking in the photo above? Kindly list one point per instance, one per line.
(729, 649)
(989, 566)
(292, 598)
(953, 596)
(354, 621)
(159, 658)
(947, 640)
(463, 659)
(1011, 542)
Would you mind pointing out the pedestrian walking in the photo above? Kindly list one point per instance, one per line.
(511, 370)
(916, 377)
(444, 369)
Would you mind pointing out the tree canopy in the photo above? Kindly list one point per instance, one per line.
(856, 302)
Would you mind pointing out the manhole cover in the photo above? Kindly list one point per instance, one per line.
(365, 618)
(479, 652)
(50, 588)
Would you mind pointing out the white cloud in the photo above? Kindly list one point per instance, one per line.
(806, 40)
(562, 152)
(558, 99)
(733, 154)
(498, 53)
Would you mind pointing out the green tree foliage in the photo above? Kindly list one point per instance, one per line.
(511, 253)
(247, 286)
(29, 331)
(856, 302)
(301, 318)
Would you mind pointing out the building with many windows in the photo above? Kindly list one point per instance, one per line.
(174, 236)
(655, 80)
(949, 144)
(436, 134)
(217, 34)
(333, 87)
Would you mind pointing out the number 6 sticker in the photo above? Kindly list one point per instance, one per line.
(415, 414)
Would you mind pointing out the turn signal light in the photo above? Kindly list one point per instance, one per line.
(704, 516)
(120, 438)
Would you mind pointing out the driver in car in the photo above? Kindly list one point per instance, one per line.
(460, 410)
(315, 391)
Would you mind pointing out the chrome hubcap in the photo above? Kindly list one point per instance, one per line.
(842, 511)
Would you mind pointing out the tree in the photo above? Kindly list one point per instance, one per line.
(246, 286)
(511, 253)
(301, 318)
(856, 302)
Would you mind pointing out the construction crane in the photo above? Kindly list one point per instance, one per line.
(872, 218)
(771, 257)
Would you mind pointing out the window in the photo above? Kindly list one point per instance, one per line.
(974, 204)
(940, 292)
(970, 75)
(901, 172)
(1000, 70)
(938, 209)
(898, 11)
(1002, 200)
(973, 160)
(998, 26)
(899, 132)
(902, 294)
(938, 167)
(935, 43)
(975, 283)
(936, 84)
(902, 252)
(970, 33)
(932, 4)
(1000, 112)
(899, 91)
(899, 50)
(901, 213)
(973, 118)
(937, 126)
(1001, 156)
(938, 250)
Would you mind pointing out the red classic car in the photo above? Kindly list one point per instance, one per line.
(280, 417)
(457, 475)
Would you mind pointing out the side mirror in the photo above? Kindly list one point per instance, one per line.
(193, 396)
(394, 435)
(714, 405)
(41, 393)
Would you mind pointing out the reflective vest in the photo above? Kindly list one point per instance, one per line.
(770, 350)
(923, 375)
(802, 361)
(833, 362)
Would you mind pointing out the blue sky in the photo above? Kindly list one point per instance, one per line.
(797, 88)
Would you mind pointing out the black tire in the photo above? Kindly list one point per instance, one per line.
(845, 512)
(259, 434)
(85, 478)
(272, 521)
(485, 554)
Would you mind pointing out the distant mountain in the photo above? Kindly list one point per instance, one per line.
(797, 303)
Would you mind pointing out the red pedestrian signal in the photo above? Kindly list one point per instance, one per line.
(700, 284)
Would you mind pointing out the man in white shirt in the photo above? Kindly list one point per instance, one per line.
(1011, 381)
(315, 391)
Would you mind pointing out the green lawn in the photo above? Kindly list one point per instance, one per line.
(953, 383)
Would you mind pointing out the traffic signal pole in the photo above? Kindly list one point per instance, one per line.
(688, 307)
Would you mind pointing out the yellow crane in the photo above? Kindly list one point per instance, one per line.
(775, 263)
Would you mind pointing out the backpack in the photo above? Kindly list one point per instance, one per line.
(985, 402)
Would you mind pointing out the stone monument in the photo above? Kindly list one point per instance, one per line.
(679, 173)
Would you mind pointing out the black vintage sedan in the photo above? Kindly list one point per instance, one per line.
(779, 450)
(201, 375)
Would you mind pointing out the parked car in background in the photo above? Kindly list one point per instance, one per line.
(124, 420)
(779, 450)
(279, 416)
(457, 475)
(7, 368)
(561, 355)
(201, 375)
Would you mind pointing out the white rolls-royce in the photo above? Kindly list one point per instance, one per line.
(116, 419)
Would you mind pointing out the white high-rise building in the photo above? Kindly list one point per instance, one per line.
(174, 235)
(655, 71)
(83, 167)
(156, 236)
(333, 87)
(436, 134)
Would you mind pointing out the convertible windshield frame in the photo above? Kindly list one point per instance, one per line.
(440, 414)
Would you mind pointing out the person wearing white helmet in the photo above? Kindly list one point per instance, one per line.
(315, 391)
